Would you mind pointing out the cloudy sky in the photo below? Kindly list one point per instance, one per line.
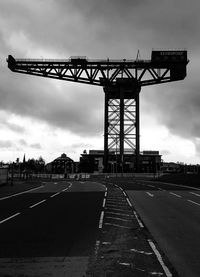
(39, 116)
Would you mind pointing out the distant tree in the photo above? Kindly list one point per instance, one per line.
(41, 160)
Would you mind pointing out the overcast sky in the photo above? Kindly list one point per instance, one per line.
(46, 117)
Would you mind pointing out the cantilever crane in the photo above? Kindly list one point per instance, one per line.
(121, 80)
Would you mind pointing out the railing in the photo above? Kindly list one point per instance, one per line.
(105, 61)
(78, 176)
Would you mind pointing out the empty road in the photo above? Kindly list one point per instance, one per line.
(172, 215)
(51, 229)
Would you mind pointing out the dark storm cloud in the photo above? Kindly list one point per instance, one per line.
(15, 128)
(111, 28)
(77, 111)
(12, 126)
(5, 144)
(36, 146)
(22, 142)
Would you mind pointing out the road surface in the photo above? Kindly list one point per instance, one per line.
(49, 230)
(74, 229)
(52, 229)
(172, 215)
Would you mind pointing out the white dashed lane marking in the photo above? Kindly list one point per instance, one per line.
(101, 220)
(193, 202)
(19, 193)
(32, 206)
(119, 214)
(177, 195)
(196, 194)
(54, 194)
(161, 189)
(150, 194)
(118, 218)
(8, 218)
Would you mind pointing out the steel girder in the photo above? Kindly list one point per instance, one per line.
(94, 72)
(129, 125)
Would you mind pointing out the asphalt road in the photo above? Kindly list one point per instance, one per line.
(53, 226)
(52, 229)
(172, 215)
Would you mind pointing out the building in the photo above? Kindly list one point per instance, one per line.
(149, 162)
(61, 165)
(171, 167)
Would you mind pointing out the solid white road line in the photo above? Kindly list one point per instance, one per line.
(193, 202)
(150, 194)
(196, 194)
(128, 202)
(19, 193)
(165, 268)
(177, 195)
(8, 218)
(138, 220)
(54, 194)
(37, 204)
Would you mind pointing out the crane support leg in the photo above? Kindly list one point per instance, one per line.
(106, 125)
(137, 125)
(121, 130)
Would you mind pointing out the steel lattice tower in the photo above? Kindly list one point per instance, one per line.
(122, 81)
